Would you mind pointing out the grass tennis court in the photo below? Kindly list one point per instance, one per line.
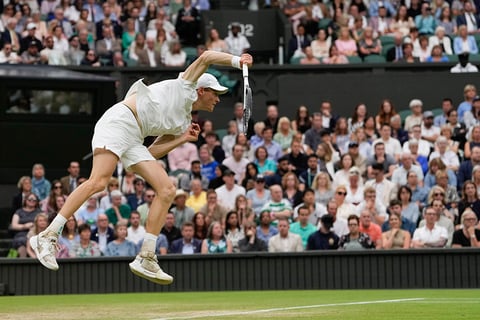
(334, 304)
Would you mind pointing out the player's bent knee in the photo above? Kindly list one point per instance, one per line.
(167, 193)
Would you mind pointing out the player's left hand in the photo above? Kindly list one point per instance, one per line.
(192, 132)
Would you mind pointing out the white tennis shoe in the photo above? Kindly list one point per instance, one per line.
(146, 266)
(45, 247)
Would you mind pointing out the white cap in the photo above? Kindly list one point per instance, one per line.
(206, 80)
(31, 26)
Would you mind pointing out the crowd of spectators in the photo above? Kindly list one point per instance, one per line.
(155, 33)
(109, 33)
(320, 181)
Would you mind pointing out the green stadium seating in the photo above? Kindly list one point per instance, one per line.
(474, 58)
(385, 49)
(323, 23)
(354, 59)
(452, 58)
(221, 133)
(374, 59)
(386, 40)
(295, 60)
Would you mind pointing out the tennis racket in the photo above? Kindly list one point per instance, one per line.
(247, 99)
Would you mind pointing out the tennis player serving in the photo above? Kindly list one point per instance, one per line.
(163, 110)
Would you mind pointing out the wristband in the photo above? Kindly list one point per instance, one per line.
(236, 62)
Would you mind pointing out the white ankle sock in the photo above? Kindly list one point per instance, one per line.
(149, 242)
(57, 224)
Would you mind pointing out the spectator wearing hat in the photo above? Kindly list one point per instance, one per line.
(180, 209)
(237, 43)
(359, 161)
(416, 115)
(472, 117)
(31, 55)
(25, 41)
(354, 187)
(229, 191)
(324, 238)
(429, 131)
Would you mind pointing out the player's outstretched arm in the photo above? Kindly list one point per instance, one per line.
(201, 64)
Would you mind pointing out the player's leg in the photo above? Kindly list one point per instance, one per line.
(145, 264)
(45, 244)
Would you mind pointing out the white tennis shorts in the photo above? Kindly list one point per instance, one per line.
(118, 131)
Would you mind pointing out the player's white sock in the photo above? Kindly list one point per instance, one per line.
(149, 242)
(57, 224)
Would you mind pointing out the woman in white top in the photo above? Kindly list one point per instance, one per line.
(442, 40)
(215, 43)
(321, 45)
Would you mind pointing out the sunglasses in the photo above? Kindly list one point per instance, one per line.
(438, 194)
(57, 187)
(342, 193)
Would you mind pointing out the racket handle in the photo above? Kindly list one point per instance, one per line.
(245, 70)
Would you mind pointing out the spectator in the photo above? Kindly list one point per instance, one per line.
(200, 226)
(188, 25)
(431, 235)
(408, 56)
(285, 241)
(251, 243)
(7, 56)
(322, 187)
(228, 141)
(392, 145)
(31, 36)
(416, 117)
(69, 235)
(395, 53)
(374, 205)
(237, 43)
(236, 162)
(175, 56)
(228, 192)
(425, 22)
(309, 58)
(60, 39)
(22, 221)
(233, 231)
(448, 157)
(466, 167)
(187, 244)
(212, 210)
(345, 43)
(135, 231)
(186, 179)
(399, 176)
(387, 111)
(468, 235)
(302, 226)
(90, 59)
(383, 187)
(312, 135)
(306, 177)
(370, 45)
(395, 238)
(342, 175)
(471, 117)
(291, 189)
(75, 54)
(410, 209)
(145, 207)
(244, 211)
(397, 131)
(207, 164)
(24, 186)
(258, 195)
(396, 208)
(31, 55)
(324, 238)
(50, 55)
(102, 234)
(197, 198)
(180, 158)
(419, 194)
(463, 64)
(10, 35)
(371, 228)
(354, 187)
(355, 240)
(215, 242)
(89, 213)
(150, 56)
(468, 18)
(106, 46)
(129, 34)
(85, 247)
(106, 197)
(181, 210)
(137, 197)
(170, 230)
(469, 199)
(450, 191)
(464, 42)
(215, 43)
(320, 46)
(40, 186)
(441, 40)
(278, 206)
(121, 247)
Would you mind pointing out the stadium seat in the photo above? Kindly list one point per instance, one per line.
(354, 59)
(295, 60)
(474, 58)
(374, 59)
(452, 58)
(403, 115)
(323, 23)
(221, 133)
(191, 53)
(384, 40)
(385, 49)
